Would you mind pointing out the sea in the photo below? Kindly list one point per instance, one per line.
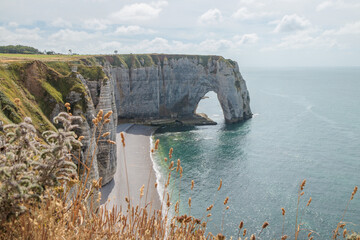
(306, 125)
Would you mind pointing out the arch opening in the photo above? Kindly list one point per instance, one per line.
(210, 106)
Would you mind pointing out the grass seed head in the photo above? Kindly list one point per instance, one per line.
(105, 134)
(142, 190)
(157, 144)
(108, 114)
(220, 185)
(100, 115)
(283, 211)
(226, 200)
(310, 199)
(210, 207)
(354, 192)
(302, 185)
(192, 184)
(241, 225)
(265, 225)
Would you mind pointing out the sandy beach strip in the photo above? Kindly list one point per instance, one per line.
(139, 168)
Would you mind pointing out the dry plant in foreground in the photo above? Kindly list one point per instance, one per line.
(44, 195)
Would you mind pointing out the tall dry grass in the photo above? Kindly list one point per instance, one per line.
(69, 210)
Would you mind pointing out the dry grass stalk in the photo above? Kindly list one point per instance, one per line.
(341, 224)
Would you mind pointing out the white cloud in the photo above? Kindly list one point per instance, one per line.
(138, 12)
(95, 24)
(244, 14)
(19, 36)
(133, 30)
(304, 39)
(61, 23)
(290, 23)
(336, 4)
(212, 16)
(254, 3)
(13, 24)
(249, 38)
(350, 28)
(67, 35)
(212, 45)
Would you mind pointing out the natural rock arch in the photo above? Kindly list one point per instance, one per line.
(172, 87)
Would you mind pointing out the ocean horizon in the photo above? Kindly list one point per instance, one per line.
(306, 125)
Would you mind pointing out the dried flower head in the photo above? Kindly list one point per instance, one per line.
(226, 200)
(283, 211)
(170, 152)
(220, 185)
(302, 185)
(252, 237)
(354, 192)
(241, 225)
(105, 134)
(142, 190)
(100, 114)
(189, 202)
(192, 184)
(210, 207)
(284, 237)
(310, 199)
(171, 165)
(244, 233)
(265, 225)
(157, 144)
(108, 114)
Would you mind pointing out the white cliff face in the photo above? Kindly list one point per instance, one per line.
(170, 88)
(103, 97)
(173, 87)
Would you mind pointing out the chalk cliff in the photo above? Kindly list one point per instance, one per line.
(149, 88)
(171, 86)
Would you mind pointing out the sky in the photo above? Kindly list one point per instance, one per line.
(271, 33)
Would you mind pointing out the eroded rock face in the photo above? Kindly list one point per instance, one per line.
(173, 87)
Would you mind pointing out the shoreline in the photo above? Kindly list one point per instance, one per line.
(140, 170)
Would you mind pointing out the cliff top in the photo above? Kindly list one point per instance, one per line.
(124, 60)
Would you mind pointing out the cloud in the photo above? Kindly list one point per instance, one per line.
(252, 3)
(138, 12)
(67, 35)
(336, 4)
(350, 28)
(13, 24)
(302, 40)
(249, 38)
(19, 36)
(61, 23)
(133, 30)
(95, 24)
(291, 23)
(244, 14)
(212, 16)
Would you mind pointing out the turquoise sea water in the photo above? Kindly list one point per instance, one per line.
(306, 125)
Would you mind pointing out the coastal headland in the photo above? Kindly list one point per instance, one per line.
(148, 89)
